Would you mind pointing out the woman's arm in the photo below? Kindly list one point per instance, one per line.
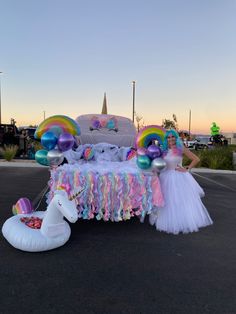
(194, 158)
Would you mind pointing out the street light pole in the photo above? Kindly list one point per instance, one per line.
(0, 100)
(189, 123)
(133, 82)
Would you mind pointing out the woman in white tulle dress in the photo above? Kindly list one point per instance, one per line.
(183, 210)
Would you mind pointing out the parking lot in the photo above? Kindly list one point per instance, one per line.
(125, 267)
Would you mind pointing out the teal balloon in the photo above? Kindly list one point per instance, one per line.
(143, 162)
(56, 130)
(41, 157)
(48, 140)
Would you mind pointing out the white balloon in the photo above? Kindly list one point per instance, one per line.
(55, 157)
(158, 164)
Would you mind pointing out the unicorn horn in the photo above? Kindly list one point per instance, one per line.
(75, 195)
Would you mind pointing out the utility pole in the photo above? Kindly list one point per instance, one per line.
(133, 82)
(0, 100)
(44, 115)
(189, 123)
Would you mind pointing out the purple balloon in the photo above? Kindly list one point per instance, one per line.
(141, 151)
(65, 142)
(154, 151)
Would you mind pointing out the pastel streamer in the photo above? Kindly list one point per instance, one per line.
(111, 196)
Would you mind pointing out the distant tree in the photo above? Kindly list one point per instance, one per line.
(139, 121)
(170, 124)
(13, 121)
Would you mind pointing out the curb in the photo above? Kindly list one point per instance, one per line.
(207, 170)
(22, 163)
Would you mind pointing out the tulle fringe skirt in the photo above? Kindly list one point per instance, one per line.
(183, 210)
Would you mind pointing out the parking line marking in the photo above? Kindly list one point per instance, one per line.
(213, 181)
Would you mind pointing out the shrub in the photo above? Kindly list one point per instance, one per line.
(215, 158)
(8, 151)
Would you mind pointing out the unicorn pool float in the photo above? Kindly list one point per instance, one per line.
(42, 230)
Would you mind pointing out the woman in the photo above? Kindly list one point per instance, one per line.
(22, 143)
(183, 210)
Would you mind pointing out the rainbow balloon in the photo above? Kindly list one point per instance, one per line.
(131, 154)
(148, 134)
(57, 124)
(22, 206)
(88, 153)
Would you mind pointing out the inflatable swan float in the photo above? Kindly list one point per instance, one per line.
(42, 230)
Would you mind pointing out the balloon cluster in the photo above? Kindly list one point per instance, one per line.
(150, 157)
(55, 143)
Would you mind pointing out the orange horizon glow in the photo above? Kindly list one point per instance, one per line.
(196, 128)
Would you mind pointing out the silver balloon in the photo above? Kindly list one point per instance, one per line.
(55, 157)
(158, 164)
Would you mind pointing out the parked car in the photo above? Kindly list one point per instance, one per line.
(189, 144)
(30, 131)
(9, 134)
(202, 143)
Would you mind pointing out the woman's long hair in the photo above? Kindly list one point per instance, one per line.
(179, 143)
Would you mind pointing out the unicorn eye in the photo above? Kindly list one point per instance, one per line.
(59, 203)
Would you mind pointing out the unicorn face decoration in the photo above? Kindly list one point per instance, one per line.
(104, 123)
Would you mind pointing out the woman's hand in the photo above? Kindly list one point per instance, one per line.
(181, 169)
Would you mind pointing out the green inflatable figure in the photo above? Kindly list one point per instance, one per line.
(215, 129)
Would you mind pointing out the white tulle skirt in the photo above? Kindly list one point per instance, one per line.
(183, 210)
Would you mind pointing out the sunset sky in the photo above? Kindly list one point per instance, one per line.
(60, 56)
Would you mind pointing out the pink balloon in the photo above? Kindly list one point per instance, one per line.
(141, 151)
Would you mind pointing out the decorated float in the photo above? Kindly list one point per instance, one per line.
(114, 169)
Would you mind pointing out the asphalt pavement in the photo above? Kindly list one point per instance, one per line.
(125, 267)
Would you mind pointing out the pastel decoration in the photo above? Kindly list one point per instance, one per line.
(55, 157)
(141, 151)
(41, 157)
(58, 124)
(65, 142)
(158, 164)
(154, 151)
(48, 140)
(110, 192)
(148, 134)
(56, 130)
(131, 154)
(88, 153)
(103, 123)
(111, 124)
(44, 230)
(143, 162)
(22, 206)
(96, 123)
